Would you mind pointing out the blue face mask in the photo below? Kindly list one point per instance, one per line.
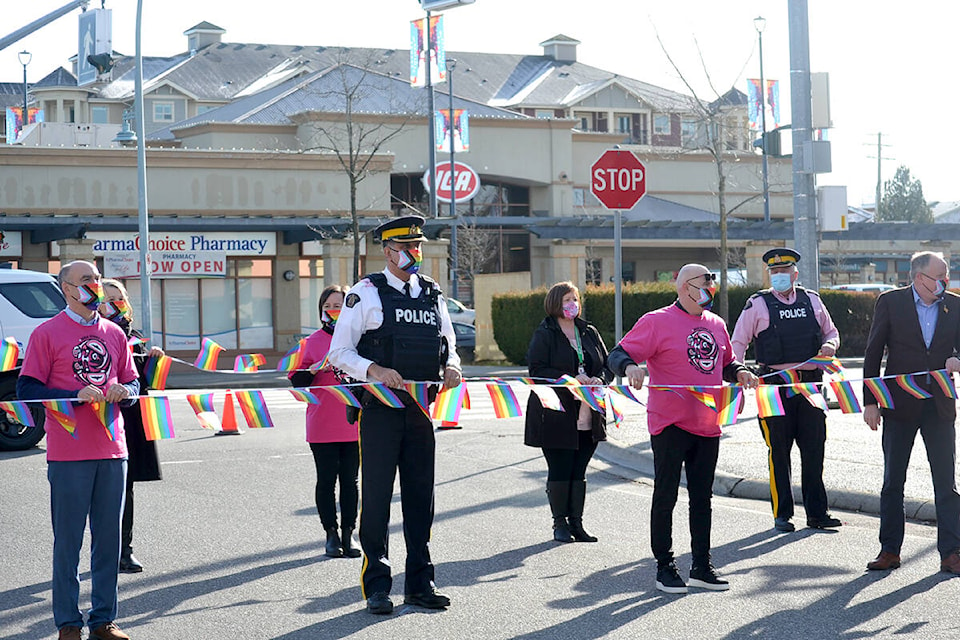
(781, 282)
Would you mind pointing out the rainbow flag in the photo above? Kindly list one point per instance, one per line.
(133, 341)
(769, 402)
(626, 391)
(828, 363)
(731, 403)
(618, 416)
(880, 391)
(243, 363)
(945, 381)
(305, 396)
(207, 358)
(107, 414)
(9, 353)
(316, 366)
(567, 381)
(254, 409)
(909, 384)
(62, 412)
(420, 392)
(343, 394)
(258, 359)
(291, 361)
(448, 404)
(811, 391)
(19, 412)
(548, 397)
(790, 376)
(843, 390)
(157, 420)
(384, 394)
(466, 396)
(505, 403)
(589, 395)
(156, 371)
(202, 405)
(704, 395)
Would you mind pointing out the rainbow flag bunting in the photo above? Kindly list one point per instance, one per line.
(9, 353)
(62, 412)
(828, 363)
(254, 409)
(304, 395)
(384, 394)
(248, 362)
(505, 403)
(157, 419)
(291, 361)
(731, 403)
(548, 397)
(880, 391)
(420, 392)
(843, 390)
(790, 376)
(202, 405)
(626, 391)
(19, 412)
(811, 391)
(107, 414)
(343, 394)
(133, 341)
(317, 366)
(258, 359)
(704, 395)
(618, 416)
(567, 381)
(909, 384)
(769, 402)
(945, 380)
(156, 371)
(466, 397)
(448, 404)
(207, 358)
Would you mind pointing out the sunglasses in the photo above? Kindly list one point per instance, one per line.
(707, 278)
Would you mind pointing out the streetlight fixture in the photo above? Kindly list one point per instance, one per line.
(25, 58)
(760, 24)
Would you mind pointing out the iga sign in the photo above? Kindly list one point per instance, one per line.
(191, 264)
(468, 182)
(618, 179)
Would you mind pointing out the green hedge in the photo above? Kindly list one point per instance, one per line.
(517, 314)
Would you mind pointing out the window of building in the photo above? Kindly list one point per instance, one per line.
(544, 113)
(689, 135)
(203, 108)
(311, 286)
(163, 112)
(624, 124)
(629, 271)
(661, 125)
(99, 115)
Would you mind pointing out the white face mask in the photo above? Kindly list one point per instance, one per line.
(781, 281)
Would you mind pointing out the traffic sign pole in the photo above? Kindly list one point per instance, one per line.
(618, 274)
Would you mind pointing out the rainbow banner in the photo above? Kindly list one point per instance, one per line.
(291, 361)
(248, 362)
(790, 376)
(254, 409)
(157, 419)
(880, 391)
(811, 391)
(505, 403)
(202, 405)
(156, 371)
(731, 403)
(828, 363)
(19, 412)
(62, 412)
(769, 402)
(9, 353)
(909, 384)
(384, 394)
(843, 390)
(107, 413)
(626, 391)
(945, 380)
(704, 395)
(589, 395)
(420, 392)
(207, 358)
(448, 404)
(343, 394)
(304, 395)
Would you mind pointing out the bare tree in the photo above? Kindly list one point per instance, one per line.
(836, 259)
(475, 251)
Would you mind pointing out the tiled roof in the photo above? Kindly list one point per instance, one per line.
(59, 78)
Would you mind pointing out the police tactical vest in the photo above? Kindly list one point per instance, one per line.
(793, 335)
(409, 339)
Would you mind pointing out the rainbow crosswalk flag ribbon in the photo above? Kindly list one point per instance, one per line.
(343, 394)
(107, 413)
(207, 358)
(254, 409)
(704, 395)
(305, 395)
(448, 404)
(157, 419)
(292, 359)
(828, 363)
(731, 403)
(19, 412)
(909, 384)
(62, 412)
(769, 402)
(846, 397)
(880, 391)
(626, 391)
(156, 371)
(9, 353)
(505, 403)
(202, 405)
(945, 380)
(420, 392)
(384, 394)
(811, 391)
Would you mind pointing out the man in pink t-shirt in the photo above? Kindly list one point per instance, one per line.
(683, 345)
(79, 357)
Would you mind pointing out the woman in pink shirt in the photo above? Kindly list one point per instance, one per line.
(333, 440)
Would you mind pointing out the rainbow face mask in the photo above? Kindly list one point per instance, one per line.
(91, 295)
(706, 296)
(410, 260)
(331, 316)
(115, 311)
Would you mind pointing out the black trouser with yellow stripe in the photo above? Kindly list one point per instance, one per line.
(807, 426)
(392, 439)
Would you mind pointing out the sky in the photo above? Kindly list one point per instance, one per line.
(878, 55)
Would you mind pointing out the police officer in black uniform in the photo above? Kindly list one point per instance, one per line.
(789, 325)
(394, 327)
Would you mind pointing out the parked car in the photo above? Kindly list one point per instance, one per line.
(460, 313)
(27, 298)
(466, 341)
(870, 287)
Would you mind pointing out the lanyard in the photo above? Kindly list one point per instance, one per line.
(579, 349)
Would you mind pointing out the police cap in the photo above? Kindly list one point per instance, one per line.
(781, 258)
(405, 229)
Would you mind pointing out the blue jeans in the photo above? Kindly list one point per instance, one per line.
(79, 489)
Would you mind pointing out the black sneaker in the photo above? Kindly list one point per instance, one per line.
(669, 580)
(783, 524)
(706, 578)
(431, 599)
(826, 521)
(380, 604)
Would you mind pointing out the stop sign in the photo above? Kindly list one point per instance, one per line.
(618, 179)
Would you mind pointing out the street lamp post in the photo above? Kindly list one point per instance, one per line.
(25, 58)
(760, 23)
(146, 314)
(454, 271)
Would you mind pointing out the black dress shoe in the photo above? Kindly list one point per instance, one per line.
(783, 524)
(129, 564)
(825, 521)
(431, 599)
(380, 604)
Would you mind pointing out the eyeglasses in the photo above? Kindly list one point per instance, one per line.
(707, 278)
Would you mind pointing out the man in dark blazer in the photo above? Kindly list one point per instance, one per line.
(919, 326)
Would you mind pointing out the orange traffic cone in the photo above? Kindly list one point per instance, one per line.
(229, 420)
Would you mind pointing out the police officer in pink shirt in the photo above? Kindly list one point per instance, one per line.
(789, 325)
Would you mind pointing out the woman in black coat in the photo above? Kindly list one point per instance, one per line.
(143, 464)
(565, 344)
